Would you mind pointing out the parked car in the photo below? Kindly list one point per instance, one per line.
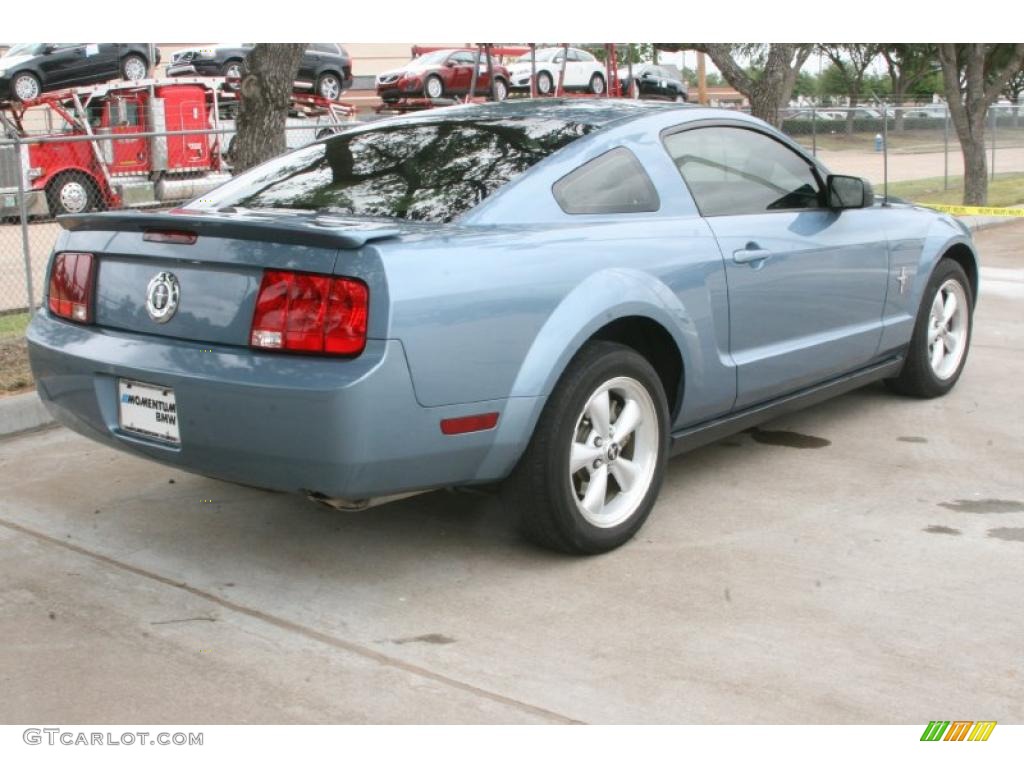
(655, 80)
(441, 74)
(583, 72)
(325, 69)
(29, 69)
(421, 303)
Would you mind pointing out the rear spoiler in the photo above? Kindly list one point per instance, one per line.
(297, 229)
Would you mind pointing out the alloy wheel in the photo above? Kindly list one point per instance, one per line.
(26, 87)
(948, 325)
(435, 88)
(134, 68)
(330, 87)
(614, 452)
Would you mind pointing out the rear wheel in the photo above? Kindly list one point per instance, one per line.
(500, 90)
(597, 85)
(328, 86)
(71, 193)
(592, 471)
(233, 70)
(26, 86)
(134, 67)
(942, 335)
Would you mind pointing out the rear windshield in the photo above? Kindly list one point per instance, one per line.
(426, 171)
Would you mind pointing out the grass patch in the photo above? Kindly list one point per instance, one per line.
(13, 324)
(1005, 189)
(908, 142)
(15, 374)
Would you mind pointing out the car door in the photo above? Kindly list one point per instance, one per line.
(806, 283)
(579, 68)
(310, 63)
(62, 65)
(460, 71)
(103, 61)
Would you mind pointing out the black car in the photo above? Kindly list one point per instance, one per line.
(326, 68)
(654, 80)
(28, 69)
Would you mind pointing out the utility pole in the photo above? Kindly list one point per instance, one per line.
(702, 80)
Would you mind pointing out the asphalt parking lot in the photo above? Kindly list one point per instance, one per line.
(859, 562)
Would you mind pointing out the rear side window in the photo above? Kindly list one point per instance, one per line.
(615, 182)
(733, 171)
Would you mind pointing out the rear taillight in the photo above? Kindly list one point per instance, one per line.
(71, 283)
(298, 312)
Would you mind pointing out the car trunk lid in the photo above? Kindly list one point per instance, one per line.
(216, 264)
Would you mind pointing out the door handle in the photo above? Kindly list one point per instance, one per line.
(751, 255)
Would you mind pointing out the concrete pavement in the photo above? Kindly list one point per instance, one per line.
(872, 576)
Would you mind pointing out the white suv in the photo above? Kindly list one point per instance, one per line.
(582, 71)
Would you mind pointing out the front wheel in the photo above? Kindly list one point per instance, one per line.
(26, 86)
(545, 85)
(71, 192)
(597, 85)
(942, 335)
(592, 471)
(434, 87)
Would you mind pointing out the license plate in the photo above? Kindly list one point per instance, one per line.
(148, 409)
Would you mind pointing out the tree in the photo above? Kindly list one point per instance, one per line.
(974, 74)
(909, 64)
(266, 89)
(851, 62)
(768, 81)
(1013, 90)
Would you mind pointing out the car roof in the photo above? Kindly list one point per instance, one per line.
(597, 112)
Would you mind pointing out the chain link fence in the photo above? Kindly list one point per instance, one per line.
(913, 152)
(43, 175)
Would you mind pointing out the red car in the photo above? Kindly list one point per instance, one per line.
(440, 74)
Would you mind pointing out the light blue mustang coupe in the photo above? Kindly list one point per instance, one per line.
(556, 295)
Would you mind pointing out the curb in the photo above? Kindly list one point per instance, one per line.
(22, 413)
(977, 223)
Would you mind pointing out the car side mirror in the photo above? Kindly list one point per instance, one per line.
(849, 192)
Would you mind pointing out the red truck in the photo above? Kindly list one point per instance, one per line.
(121, 167)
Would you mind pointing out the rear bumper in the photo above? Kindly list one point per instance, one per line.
(344, 428)
(35, 203)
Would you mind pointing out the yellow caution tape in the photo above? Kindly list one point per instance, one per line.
(974, 210)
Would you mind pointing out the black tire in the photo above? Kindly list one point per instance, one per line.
(32, 80)
(539, 490)
(428, 82)
(917, 378)
(328, 86)
(131, 62)
(58, 198)
(545, 84)
(232, 68)
(500, 90)
(597, 84)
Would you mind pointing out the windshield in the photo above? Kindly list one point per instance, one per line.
(24, 49)
(437, 57)
(425, 171)
(545, 55)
